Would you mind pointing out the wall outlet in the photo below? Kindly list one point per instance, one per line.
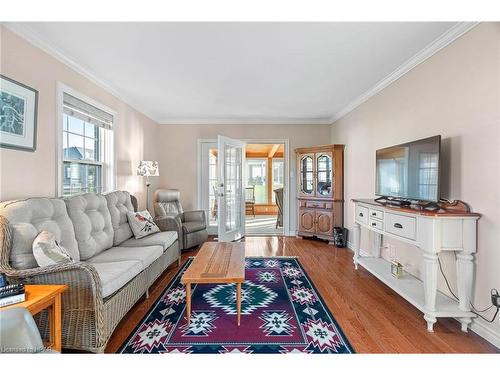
(495, 298)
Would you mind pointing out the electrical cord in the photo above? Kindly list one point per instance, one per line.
(456, 298)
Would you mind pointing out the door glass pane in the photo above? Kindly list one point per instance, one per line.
(306, 174)
(230, 180)
(212, 185)
(324, 172)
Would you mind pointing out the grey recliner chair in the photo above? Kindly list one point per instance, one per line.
(191, 226)
(19, 333)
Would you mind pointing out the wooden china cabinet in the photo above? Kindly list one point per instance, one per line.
(320, 186)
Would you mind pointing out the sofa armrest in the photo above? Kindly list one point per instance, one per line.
(198, 215)
(84, 285)
(170, 223)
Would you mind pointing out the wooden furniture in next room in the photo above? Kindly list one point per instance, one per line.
(250, 200)
(320, 180)
(40, 297)
(216, 263)
(432, 232)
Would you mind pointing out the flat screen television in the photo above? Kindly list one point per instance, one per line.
(410, 171)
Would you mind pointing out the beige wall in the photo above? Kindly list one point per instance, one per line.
(456, 94)
(178, 152)
(25, 174)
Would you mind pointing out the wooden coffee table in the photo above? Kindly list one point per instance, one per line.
(216, 263)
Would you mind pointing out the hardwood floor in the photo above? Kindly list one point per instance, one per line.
(374, 318)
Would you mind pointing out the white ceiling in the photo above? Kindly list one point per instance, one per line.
(241, 72)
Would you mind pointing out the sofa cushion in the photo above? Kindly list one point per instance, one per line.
(193, 226)
(114, 275)
(47, 251)
(146, 255)
(27, 218)
(164, 239)
(119, 203)
(92, 221)
(142, 224)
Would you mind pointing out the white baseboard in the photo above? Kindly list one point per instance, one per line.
(478, 326)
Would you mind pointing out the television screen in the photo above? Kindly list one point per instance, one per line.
(410, 171)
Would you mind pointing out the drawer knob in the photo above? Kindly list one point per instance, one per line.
(374, 224)
(361, 214)
(397, 225)
(374, 214)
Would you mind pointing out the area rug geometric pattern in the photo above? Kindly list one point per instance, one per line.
(281, 312)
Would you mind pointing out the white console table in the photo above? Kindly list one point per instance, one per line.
(432, 232)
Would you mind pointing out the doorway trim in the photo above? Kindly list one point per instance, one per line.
(286, 189)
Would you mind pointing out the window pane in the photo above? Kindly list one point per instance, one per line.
(81, 178)
(75, 147)
(278, 176)
(90, 130)
(256, 176)
(75, 125)
(90, 151)
(65, 146)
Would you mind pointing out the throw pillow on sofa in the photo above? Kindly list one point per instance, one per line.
(142, 223)
(47, 250)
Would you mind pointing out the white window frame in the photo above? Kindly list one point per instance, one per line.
(107, 145)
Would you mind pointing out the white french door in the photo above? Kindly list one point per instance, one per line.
(231, 199)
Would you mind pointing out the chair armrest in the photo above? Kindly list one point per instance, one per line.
(170, 223)
(198, 215)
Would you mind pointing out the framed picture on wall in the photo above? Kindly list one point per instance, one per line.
(18, 115)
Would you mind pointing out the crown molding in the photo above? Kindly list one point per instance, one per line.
(438, 44)
(448, 37)
(246, 121)
(33, 38)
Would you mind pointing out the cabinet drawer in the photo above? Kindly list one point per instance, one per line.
(404, 226)
(376, 214)
(361, 214)
(376, 224)
(316, 204)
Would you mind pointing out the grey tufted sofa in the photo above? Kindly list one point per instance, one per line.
(112, 269)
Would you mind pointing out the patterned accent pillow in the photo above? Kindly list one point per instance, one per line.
(142, 223)
(47, 250)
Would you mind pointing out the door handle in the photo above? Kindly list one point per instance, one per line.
(397, 225)
(374, 224)
(361, 214)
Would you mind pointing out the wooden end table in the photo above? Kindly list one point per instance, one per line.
(40, 297)
(216, 263)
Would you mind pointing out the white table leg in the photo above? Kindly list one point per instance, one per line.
(430, 286)
(465, 275)
(356, 243)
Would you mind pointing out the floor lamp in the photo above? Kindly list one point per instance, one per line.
(148, 168)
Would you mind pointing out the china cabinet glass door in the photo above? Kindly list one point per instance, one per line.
(307, 174)
(324, 175)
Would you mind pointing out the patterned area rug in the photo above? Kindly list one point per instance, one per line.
(281, 313)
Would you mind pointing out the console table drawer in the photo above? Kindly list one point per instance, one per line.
(377, 224)
(376, 214)
(401, 225)
(361, 214)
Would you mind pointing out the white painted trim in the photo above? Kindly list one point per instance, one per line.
(247, 121)
(286, 191)
(110, 140)
(479, 326)
(444, 40)
(28, 34)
